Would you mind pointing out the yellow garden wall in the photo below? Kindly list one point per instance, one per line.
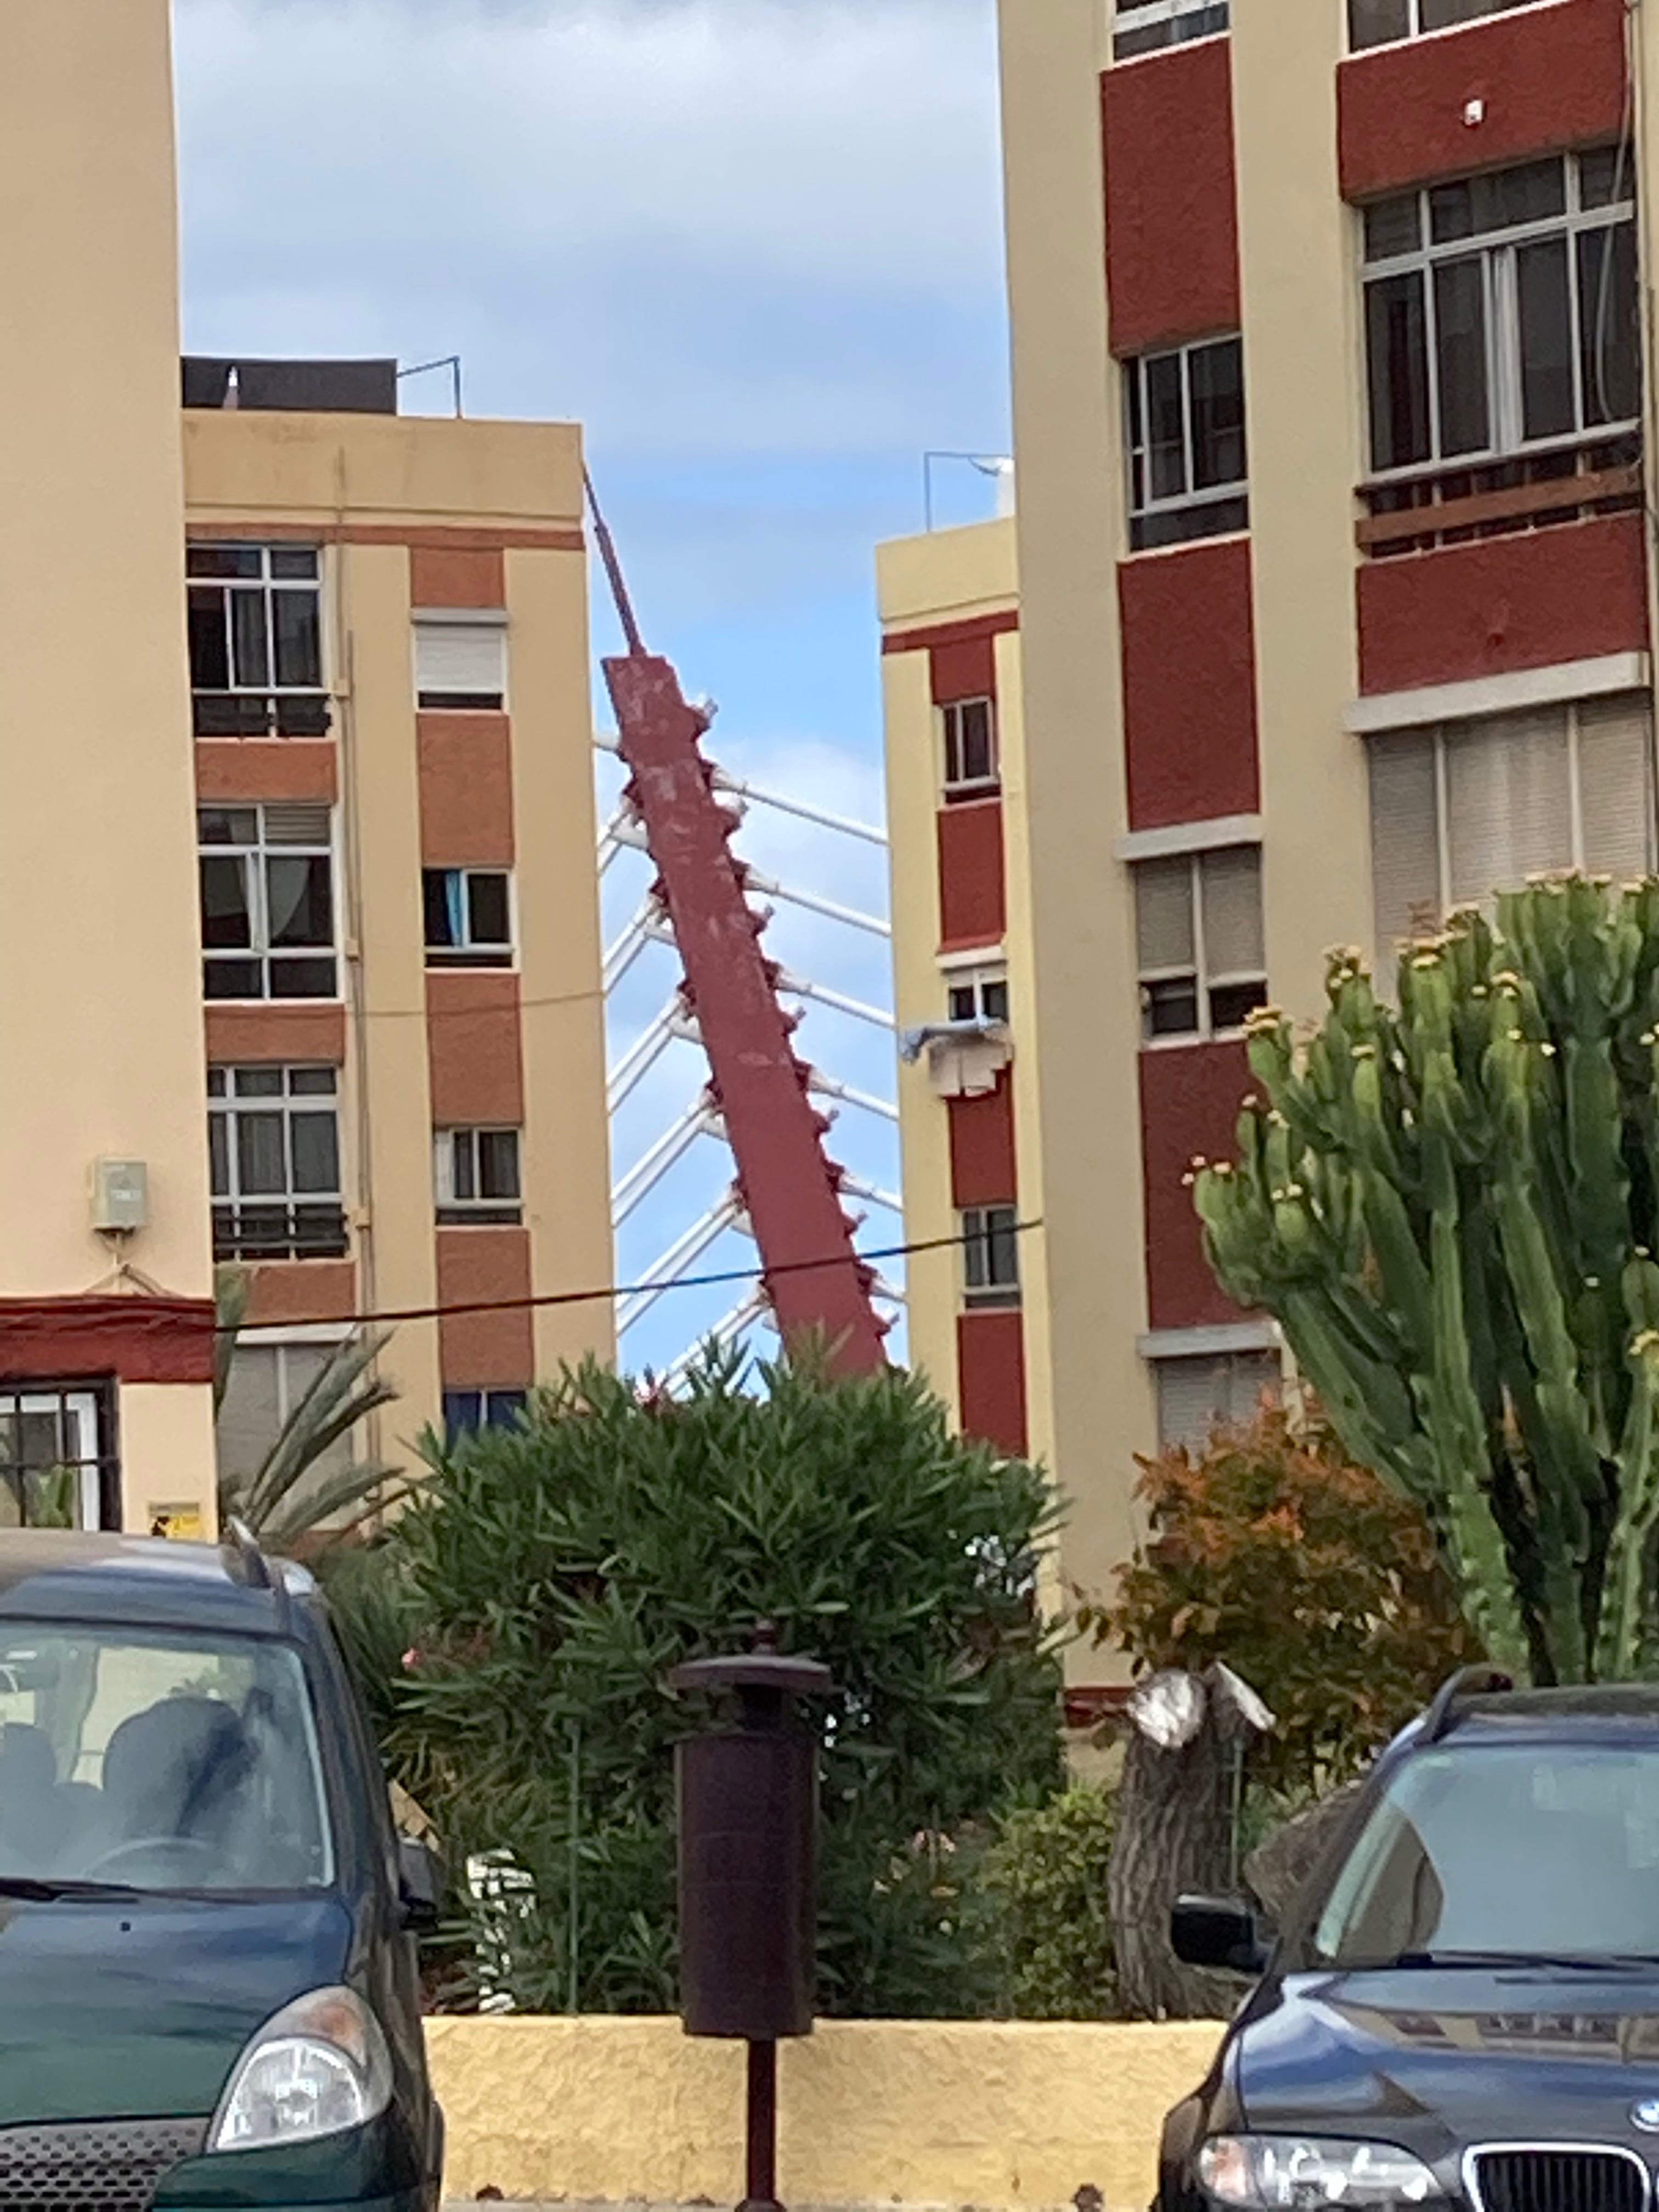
(980, 2113)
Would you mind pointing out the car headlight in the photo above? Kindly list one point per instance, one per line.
(1262, 2172)
(317, 2068)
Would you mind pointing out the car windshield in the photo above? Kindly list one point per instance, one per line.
(166, 1762)
(1514, 1851)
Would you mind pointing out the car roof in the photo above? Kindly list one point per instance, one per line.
(1584, 1711)
(53, 1574)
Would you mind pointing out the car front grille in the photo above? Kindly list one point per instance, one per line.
(1547, 2179)
(91, 2166)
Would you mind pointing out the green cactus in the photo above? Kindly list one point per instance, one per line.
(1451, 1208)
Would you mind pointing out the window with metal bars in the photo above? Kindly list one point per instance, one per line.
(1501, 312)
(1200, 943)
(256, 641)
(1147, 26)
(267, 890)
(1468, 809)
(1186, 444)
(273, 1144)
(58, 1464)
(990, 1256)
(476, 1177)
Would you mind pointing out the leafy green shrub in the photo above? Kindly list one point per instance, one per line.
(558, 1570)
(1042, 1886)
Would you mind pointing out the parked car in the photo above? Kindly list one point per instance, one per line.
(208, 1984)
(1462, 2007)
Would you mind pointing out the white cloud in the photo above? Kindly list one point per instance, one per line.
(676, 222)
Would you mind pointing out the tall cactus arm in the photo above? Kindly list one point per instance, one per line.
(1618, 1641)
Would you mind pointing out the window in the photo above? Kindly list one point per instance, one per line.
(1501, 311)
(1186, 444)
(971, 747)
(267, 902)
(1381, 22)
(267, 1382)
(1471, 808)
(274, 1138)
(256, 641)
(466, 1412)
(1199, 934)
(990, 1256)
(1144, 26)
(476, 1175)
(1197, 1395)
(978, 994)
(160, 1759)
(57, 1466)
(468, 917)
(460, 666)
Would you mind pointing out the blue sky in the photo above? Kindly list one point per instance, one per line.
(754, 245)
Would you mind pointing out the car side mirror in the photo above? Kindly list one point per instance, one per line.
(420, 1885)
(1217, 1932)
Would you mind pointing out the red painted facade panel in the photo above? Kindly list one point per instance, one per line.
(483, 1350)
(1573, 593)
(1189, 684)
(982, 1169)
(965, 632)
(1189, 1100)
(970, 893)
(1549, 77)
(131, 1339)
(991, 1371)
(1171, 206)
(965, 671)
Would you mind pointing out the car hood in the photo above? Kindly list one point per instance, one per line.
(139, 2011)
(1436, 2058)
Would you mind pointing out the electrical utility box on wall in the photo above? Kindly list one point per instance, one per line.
(120, 1197)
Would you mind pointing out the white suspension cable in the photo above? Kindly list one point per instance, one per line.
(769, 888)
(802, 989)
(741, 787)
(648, 1170)
(831, 1087)
(860, 1189)
(672, 1264)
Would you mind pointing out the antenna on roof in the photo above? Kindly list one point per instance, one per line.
(1467, 1682)
(241, 1539)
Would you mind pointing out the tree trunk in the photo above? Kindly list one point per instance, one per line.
(1174, 1833)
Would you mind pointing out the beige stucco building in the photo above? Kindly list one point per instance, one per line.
(300, 886)
(1331, 608)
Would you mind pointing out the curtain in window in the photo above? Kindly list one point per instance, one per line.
(455, 905)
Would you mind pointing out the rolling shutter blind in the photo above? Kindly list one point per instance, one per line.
(1232, 912)
(1615, 785)
(460, 660)
(251, 1416)
(1509, 802)
(1405, 843)
(1164, 914)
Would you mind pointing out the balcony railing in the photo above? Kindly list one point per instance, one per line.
(1416, 512)
(261, 714)
(274, 1229)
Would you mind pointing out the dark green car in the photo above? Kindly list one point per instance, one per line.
(208, 1986)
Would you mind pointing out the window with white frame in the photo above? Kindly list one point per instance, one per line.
(971, 747)
(1461, 812)
(1501, 311)
(267, 885)
(1384, 22)
(1145, 27)
(268, 1382)
(58, 1468)
(460, 664)
(273, 1144)
(1200, 943)
(256, 641)
(468, 917)
(1196, 1396)
(990, 1256)
(466, 1412)
(1185, 439)
(977, 994)
(476, 1176)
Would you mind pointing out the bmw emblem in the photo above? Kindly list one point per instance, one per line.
(1644, 2114)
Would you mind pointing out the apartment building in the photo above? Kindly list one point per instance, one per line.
(399, 961)
(105, 1282)
(300, 895)
(1327, 606)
